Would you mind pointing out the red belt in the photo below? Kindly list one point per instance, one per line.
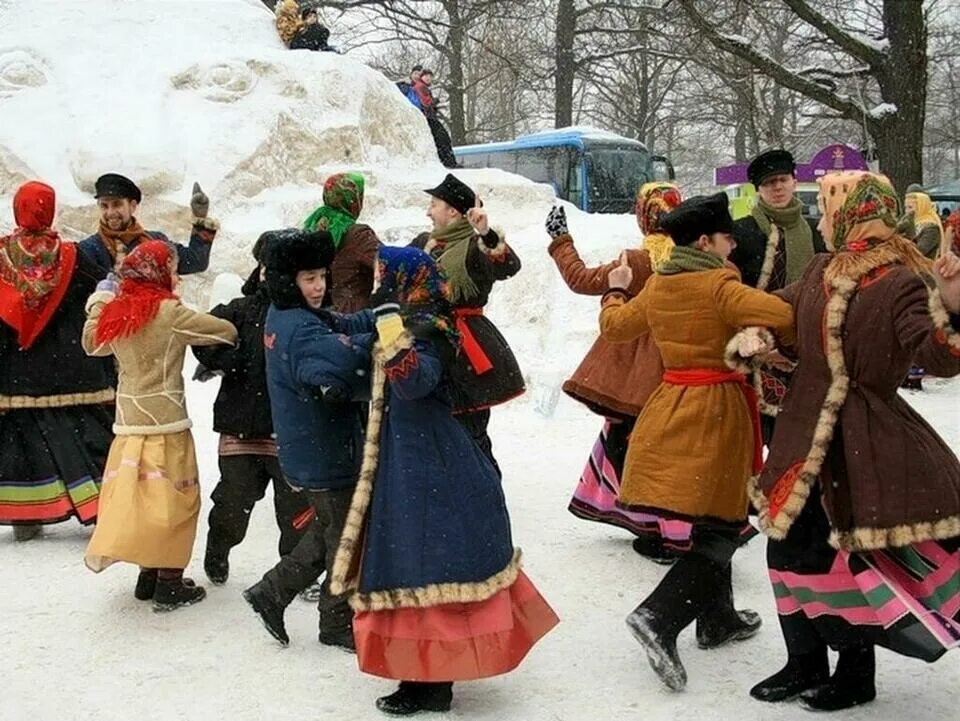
(711, 377)
(475, 354)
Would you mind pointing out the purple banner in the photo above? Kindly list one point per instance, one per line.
(832, 157)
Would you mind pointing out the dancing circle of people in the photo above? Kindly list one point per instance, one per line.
(358, 379)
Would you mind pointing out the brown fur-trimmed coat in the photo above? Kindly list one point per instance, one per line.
(887, 478)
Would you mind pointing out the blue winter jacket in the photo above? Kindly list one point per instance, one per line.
(193, 258)
(316, 379)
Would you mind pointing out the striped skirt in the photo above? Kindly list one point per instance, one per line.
(51, 462)
(904, 599)
(596, 494)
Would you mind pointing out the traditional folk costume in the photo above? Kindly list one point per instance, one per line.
(614, 380)
(151, 494)
(55, 401)
(692, 307)
(427, 552)
(860, 497)
(485, 372)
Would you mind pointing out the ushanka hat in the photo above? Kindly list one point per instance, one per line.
(700, 215)
(455, 193)
(113, 185)
(284, 253)
(770, 162)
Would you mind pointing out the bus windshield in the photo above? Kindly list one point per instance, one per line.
(616, 173)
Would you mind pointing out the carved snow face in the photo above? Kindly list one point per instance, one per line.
(172, 91)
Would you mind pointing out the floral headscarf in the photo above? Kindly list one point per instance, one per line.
(653, 201)
(342, 203)
(30, 256)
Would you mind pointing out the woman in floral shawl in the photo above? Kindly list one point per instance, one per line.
(859, 495)
(427, 552)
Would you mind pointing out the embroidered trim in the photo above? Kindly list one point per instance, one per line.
(62, 400)
(497, 253)
(183, 424)
(400, 366)
(769, 257)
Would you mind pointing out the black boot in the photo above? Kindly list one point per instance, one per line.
(216, 566)
(413, 697)
(175, 593)
(802, 673)
(661, 648)
(721, 623)
(269, 609)
(339, 637)
(146, 584)
(652, 548)
(26, 532)
(852, 684)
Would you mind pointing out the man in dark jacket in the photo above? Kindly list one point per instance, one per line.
(119, 199)
(241, 415)
(774, 245)
(313, 35)
(315, 379)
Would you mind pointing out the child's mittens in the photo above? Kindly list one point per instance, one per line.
(389, 324)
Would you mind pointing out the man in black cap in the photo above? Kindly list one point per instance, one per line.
(774, 245)
(118, 199)
(473, 256)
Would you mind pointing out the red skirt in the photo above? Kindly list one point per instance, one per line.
(454, 642)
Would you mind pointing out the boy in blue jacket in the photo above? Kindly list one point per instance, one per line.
(316, 378)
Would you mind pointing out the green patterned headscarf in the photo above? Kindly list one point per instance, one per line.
(342, 203)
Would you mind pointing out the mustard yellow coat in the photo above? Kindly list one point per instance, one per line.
(691, 451)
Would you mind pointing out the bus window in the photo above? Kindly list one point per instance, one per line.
(474, 160)
(614, 174)
(574, 186)
(505, 160)
(662, 168)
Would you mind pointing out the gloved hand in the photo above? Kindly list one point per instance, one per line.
(110, 284)
(389, 323)
(557, 222)
(199, 202)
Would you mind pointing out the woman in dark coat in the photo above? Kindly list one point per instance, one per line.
(427, 551)
(860, 496)
(56, 403)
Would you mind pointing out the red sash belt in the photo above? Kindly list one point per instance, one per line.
(475, 354)
(711, 377)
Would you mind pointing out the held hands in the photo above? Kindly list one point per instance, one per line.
(622, 276)
(946, 271)
(199, 202)
(110, 284)
(751, 342)
(477, 217)
(557, 222)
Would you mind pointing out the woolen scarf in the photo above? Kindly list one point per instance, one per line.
(450, 246)
(798, 238)
(118, 242)
(686, 259)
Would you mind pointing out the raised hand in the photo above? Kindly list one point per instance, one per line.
(557, 222)
(946, 271)
(477, 217)
(622, 276)
(199, 202)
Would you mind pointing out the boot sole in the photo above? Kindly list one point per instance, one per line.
(263, 621)
(168, 607)
(440, 708)
(659, 660)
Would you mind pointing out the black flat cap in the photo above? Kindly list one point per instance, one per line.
(113, 185)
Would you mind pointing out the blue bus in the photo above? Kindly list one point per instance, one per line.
(597, 171)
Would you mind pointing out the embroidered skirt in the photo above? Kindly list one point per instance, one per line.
(149, 503)
(454, 642)
(51, 463)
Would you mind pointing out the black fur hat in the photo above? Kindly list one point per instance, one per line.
(770, 162)
(455, 193)
(284, 253)
(700, 215)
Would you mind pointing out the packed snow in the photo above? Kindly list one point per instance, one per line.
(171, 91)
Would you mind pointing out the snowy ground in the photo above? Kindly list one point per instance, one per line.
(78, 646)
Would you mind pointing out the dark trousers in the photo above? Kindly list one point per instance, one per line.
(475, 423)
(243, 482)
(698, 585)
(441, 138)
(313, 556)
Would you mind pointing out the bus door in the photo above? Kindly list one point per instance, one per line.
(662, 168)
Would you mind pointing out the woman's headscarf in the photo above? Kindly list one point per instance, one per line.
(411, 278)
(146, 280)
(864, 210)
(342, 203)
(654, 200)
(926, 212)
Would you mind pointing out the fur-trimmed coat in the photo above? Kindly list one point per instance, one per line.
(428, 524)
(351, 273)
(692, 448)
(887, 479)
(613, 379)
(479, 388)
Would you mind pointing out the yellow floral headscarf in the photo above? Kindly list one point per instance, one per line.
(653, 200)
(926, 213)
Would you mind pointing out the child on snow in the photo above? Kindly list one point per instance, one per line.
(427, 554)
(241, 415)
(315, 377)
(150, 499)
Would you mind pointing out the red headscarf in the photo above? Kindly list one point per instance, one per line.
(146, 280)
(35, 267)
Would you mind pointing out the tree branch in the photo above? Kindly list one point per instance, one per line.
(857, 48)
